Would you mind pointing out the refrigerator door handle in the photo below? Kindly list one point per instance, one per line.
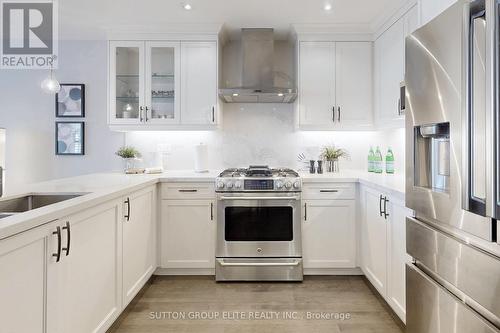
(478, 185)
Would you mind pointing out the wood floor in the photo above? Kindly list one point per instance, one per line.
(161, 306)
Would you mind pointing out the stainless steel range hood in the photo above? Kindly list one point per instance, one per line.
(257, 72)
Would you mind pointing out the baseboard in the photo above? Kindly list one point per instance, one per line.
(184, 271)
(333, 271)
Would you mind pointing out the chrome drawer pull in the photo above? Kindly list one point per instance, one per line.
(188, 191)
(328, 191)
(253, 264)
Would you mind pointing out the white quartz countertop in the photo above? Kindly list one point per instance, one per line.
(101, 187)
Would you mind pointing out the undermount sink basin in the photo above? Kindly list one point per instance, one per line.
(33, 201)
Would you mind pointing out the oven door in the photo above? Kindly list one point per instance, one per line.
(252, 225)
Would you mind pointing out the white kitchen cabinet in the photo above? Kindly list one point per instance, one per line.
(199, 83)
(23, 281)
(374, 240)
(161, 85)
(335, 85)
(188, 234)
(329, 234)
(390, 70)
(389, 58)
(317, 84)
(126, 82)
(397, 256)
(383, 246)
(139, 241)
(84, 286)
(354, 82)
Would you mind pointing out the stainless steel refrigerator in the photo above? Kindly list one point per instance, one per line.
(453, 171)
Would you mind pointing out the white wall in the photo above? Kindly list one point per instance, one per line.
(28, 115)
(263, 134)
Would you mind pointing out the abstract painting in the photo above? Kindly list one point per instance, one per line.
(70, 138)
(70, 101)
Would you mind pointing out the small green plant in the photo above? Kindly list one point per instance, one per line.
(128, 152)
(332, 153)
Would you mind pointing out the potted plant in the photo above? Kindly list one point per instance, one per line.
(331, 155)
(129, 156)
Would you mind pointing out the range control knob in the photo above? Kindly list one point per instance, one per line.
(279, 184)
(220, 185)
(296, 185)
(288, 185)
(237, 185)
(229, 185)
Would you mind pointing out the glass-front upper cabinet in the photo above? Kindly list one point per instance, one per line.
(126, 82)
(144, 81)
(162, 82)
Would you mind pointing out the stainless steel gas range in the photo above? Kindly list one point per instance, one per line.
(258, 225)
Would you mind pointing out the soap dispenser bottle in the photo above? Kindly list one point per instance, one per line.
(389, 161)
(378, 160)
(371, 160)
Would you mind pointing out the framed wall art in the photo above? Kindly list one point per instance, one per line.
(70, 101)
(70, 138)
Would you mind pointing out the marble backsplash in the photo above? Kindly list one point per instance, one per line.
(262, 134)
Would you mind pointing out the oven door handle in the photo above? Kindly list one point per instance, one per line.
(250, 264)
(259, 198)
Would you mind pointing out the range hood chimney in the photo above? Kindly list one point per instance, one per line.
(257, 74)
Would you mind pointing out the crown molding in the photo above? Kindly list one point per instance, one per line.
(329, 31)
(380, 25)
(204, 31)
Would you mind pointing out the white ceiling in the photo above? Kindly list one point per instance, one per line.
(80, 18)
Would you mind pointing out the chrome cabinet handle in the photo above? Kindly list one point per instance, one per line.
(188, 191)
(223, 263)
(127, 202)
(140, 113)
(305, 211)
(68, 241)
(213, 114)
(259, 198)
(339, 114)
(400, 113)
(380, 205)
(146, 114)
(328, 191)
(211, 211)
(58, 254)
(333, 113)
(385, 208)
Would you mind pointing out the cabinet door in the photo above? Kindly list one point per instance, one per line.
(139, 244)
(328, 234)
(317, 84)
(23, 281)
(354, 84)
(84, 287)
(126, 82)
(397, 258)
(162, 83)
(390, 61)
(188, 234)
(199, 83)
(374, 241)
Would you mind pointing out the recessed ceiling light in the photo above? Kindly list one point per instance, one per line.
(327, 7)
(187, 6)
(236, 95)
(280, 94)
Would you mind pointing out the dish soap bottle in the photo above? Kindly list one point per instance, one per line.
(378, 160)
(371, 159)
(389, 161)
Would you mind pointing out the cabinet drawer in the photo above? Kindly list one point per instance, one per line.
(328, 191)
(181, 191)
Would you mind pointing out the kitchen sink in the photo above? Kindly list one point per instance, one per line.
(33, 201)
